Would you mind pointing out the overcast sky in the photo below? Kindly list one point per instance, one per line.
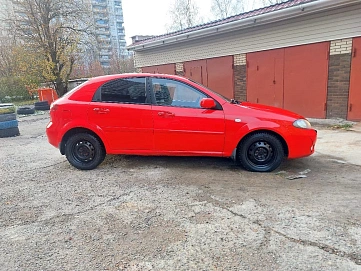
(150, 17)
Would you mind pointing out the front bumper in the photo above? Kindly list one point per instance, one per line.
(302, 143)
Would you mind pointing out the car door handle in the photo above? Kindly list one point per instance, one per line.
(166, 114)
(101, 110)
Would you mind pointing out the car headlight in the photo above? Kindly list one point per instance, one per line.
(302, 123)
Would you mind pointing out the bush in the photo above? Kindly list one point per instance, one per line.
(13, 89)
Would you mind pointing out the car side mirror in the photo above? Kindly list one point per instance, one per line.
(208, 103)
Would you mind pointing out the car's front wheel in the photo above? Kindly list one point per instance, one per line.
(84, 151)
(261, 152)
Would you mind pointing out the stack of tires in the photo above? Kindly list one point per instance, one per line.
(30, 109)
(26, 110)
(44, 105)
(8, 122)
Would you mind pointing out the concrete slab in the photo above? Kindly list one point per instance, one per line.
(344, 145)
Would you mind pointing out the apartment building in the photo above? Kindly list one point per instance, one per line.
(5, 10)
(108, 18)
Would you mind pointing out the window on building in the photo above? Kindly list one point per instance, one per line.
(101, 21)
(174, 93)
(125, 91)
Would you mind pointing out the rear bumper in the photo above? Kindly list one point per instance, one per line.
(302, 144)
(52, 134)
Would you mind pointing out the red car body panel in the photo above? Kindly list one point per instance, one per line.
(188, 130)
(148, 129)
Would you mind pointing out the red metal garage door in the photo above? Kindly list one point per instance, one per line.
(167, 69)
(294, 78)
(265, 77)
(215, 73)
(354, 107)
(305, 79)
(196, 70)
(220, 75)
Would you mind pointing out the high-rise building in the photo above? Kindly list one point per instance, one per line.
(108, 18)
(5, 10)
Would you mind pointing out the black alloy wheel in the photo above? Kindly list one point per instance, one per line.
(84, 151)
(261, 152)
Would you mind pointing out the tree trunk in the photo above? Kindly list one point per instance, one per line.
(60, 87)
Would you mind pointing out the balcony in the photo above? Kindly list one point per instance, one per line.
(100, 13)
(103, 40)
(105, 46)
(105, 53)
(119, 19)
(102, 23)
(99, 3)
(102, 32)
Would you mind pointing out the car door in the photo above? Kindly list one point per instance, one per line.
(122, 109)
(180, 124)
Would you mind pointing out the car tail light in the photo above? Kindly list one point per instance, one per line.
(53, 107)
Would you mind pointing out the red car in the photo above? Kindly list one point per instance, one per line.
(158, 114)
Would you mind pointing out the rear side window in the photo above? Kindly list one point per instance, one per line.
(131, 90)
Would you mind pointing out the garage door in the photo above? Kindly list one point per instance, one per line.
(294, 78)
(220, 75)
(305, 79)
(196, 70)
(166, 69)
(215, 73)
(354, 106)
(265, 77)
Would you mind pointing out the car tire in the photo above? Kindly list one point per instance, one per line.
(42, 107)
(84, 151)
(8, 124)
(261, 152)
(41, 103)
(7, 117)
(26, 110)
(14, 131)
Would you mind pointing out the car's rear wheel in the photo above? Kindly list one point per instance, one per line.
(261, 152)
(84, 151)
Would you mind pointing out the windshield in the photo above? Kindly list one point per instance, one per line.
(220, 95)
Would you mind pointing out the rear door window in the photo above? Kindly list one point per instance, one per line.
(128, 90)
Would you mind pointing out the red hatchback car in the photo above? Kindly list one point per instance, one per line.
(158, 114)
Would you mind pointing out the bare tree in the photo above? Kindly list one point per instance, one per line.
(184, 14)
(7, 65)
(121, 64)
(271, 2)
(55, 28)
(225, 8)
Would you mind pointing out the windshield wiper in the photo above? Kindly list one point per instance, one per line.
(233, 101)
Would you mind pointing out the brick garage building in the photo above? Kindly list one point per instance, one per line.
(301, 55)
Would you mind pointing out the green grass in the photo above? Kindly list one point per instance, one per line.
(26, 102)
(344, 126)
(7, 110)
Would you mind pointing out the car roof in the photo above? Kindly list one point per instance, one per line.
(126, 75)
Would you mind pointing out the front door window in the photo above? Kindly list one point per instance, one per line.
(174, 93)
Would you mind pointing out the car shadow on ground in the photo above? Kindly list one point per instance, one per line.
(320, 165)
(133, 162)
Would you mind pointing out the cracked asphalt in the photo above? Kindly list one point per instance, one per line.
(169, 213)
